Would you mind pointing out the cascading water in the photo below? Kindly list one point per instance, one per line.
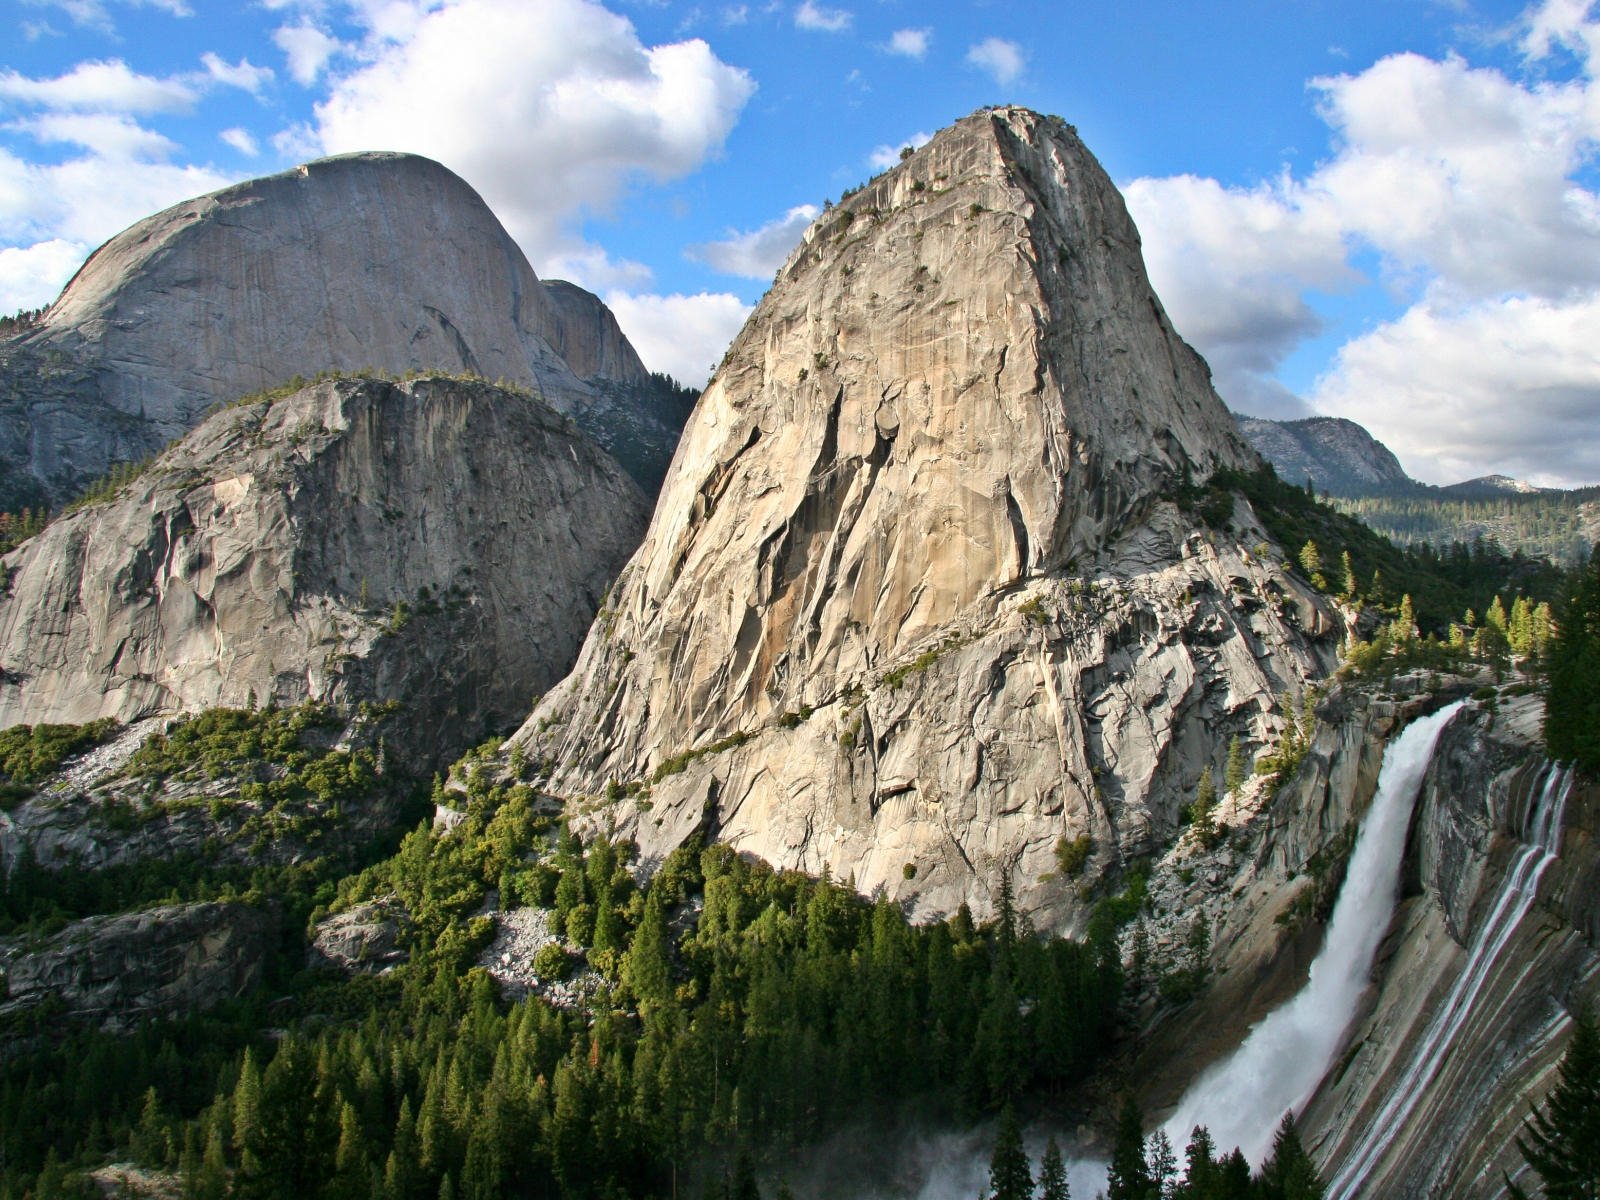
(1542, 831)
(1280, 1063)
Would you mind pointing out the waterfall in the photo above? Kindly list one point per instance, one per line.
(1280, 1063)
(1542, 832)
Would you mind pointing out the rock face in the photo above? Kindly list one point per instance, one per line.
(1337, 455)
(181, 958)
(1428, 1104)
(911, 607)
(366, 261)
(437, 542)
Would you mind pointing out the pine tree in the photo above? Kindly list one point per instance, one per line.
(1236, 771)
(1202, 1171)
(1561, 1138)
(1289, 1173)
(1053, 1174)
(1163, 1164)
(1348, 592)
(1572, 688)
(1009, 1176)
(1129, 1176)
(1203, 812)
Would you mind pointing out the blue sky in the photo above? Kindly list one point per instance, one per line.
(1381, 209)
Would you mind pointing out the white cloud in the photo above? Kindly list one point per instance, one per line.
(1231, 266)
(107, 134)
(884, 157)
(242, 75)
(93, 14)
(1473, 192)
(307, 50)
(736, 14)
(1503, 386)
(823, 20)
(912, 43)
(685, 336)
(31, 276)
(102, 86)
(1000, 58)
(548, 110)
(241, 140)
(759, 253)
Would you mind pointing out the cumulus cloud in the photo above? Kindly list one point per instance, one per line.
(824, 20)
(103, 86)
(241, 140)
(685, 336)
(1472, 191)
(1232, 266)
(94, 14)
(1002, 59)
(1509, 385)
(109, 134)
(547, 110)
(307, 50)
(34, 275)
(886, 156)
(242, 74)
(760, 252)
(911, 43)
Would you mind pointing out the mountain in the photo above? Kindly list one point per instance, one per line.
(386, 262)
(917, 603)
(1493, 485)
(438, 542)
(1338, 456)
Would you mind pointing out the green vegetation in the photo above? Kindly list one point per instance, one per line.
(736, 1011)
(280, 811)
(30, 752)
(1554, 525)
(1145, 1168)
(1572, 693)
(1561, 1137)
(1373, 571)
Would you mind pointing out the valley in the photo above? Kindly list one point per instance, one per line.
(440, 760)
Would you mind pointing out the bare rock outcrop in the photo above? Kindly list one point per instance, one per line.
(118, 969)
(1491, 950)
(387, 262)
(439, 542)
(914, 603)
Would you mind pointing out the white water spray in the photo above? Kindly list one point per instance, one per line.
(1277, 1067)
(1542, 827)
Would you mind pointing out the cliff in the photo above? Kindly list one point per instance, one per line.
(384, 262)
(914, 604)
(439, 543)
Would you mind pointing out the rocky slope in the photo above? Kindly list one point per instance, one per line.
(120, 969)
(437, 542)
(912, 607)
(367, 261)
(1337, 455)
(1423, 1104)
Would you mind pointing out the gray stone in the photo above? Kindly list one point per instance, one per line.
(438, 542)
(117, 969)
(386, 262)
(911, 594)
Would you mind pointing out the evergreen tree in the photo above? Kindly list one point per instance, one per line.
(1163, 1164)
(1289, 1173)
(1009, 1175)
(1572, 689)
(1129, 1176)
(1053, 1174)
(1203, 813)
(1237, 770)
(1561, 1138)
(1201, 1171)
